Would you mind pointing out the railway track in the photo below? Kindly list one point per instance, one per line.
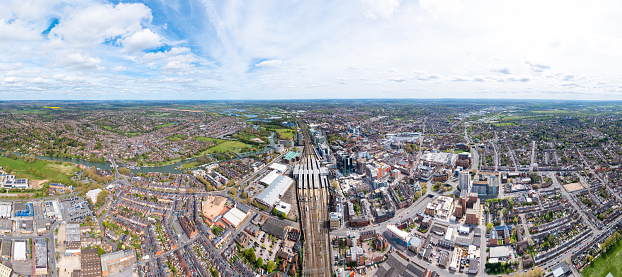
(313, 200)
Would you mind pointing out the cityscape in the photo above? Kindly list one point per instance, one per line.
(310, 188)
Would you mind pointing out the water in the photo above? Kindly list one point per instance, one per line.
(162, 169)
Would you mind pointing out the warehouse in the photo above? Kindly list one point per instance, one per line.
(234, 217)
(273, 193)
(19, 251)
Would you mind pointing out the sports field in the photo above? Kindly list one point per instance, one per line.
(605, 263)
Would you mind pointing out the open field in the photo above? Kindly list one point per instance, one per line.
(226, 146)
(573, 186)
(47, 170)
(286, 133)
(214, 140)
(605, 263)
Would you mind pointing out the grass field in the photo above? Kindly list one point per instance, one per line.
(222, 145)
(286, 133)
(164, 125)
(225, 146)
(605, 263)
(50, 171)
(214, 140)
(189, 165)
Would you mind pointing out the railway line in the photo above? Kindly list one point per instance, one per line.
(313, 200)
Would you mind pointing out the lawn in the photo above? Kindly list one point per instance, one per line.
(605, 263)
(164, 125)
(48, 170)
(286, 133)
(226, 146)
(189, 165)
(214, 140)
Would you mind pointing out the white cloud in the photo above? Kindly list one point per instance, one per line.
(381, 8)
(269, 63)
(119, 68)
(93, 25)
(142, 40)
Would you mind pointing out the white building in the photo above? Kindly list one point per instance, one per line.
(464, 181)
(19, 251)
(234, 217)
(275, 190)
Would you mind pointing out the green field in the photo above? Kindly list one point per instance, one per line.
(48, 170)
(189, 165)
(226, 146)
(214, 140)
(164, 125)
(286, 133)
(605, 263)
(177, 138)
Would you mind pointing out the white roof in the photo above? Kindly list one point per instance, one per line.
(273, 193)
(464, 229)
(499, 252)
(283, 207)
(19, 253)
(5, 210)
(268, 179)
(449, 233)
(397, 232)
(278, 166)
(234, 217)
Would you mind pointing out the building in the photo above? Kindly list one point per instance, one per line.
(90, 263)
(23, 209)
(501, 253)
(276, 227)
(336, 220)
(72, 239)
(235, 216)
(345, 162)
(283, 208)
(5, 271)
(41, 257)
(464, 160)
(464, 181)
(111, 262)
(19, 250)
(275, 190)
(9, 181)
(6, 249)
(561, 270)
(400, 237)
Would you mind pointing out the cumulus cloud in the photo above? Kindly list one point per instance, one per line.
(141, 40)
(93, 25)
(81, 61)
(269, 63)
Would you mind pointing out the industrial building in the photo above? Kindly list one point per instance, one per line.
(111, 262)
(234, 217)
(41, 257)
(90, 263)
(72, 239)
(213, 208)
(19, 250)
(275, 190)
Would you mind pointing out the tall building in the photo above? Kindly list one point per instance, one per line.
(464, 181)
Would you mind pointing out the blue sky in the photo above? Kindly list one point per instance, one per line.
(201, 49)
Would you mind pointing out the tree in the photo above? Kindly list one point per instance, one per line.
(474, 171)
(259, 262)
(283, 215)
(232, 191)
(530, 241)
(335, 184)
(275, 212)
(417, 194)
(270, 266)
(489, 227)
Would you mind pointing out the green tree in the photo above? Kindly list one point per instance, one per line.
(270, 266)
(259, 262)
(275, 212)
(489, 227)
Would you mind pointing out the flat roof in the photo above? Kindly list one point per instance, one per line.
(273, 193)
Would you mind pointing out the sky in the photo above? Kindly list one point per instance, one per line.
(289, 49)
